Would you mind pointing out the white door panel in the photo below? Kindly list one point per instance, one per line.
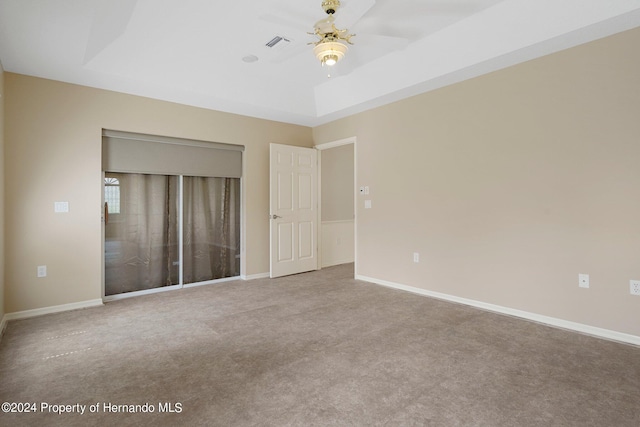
(305, 240)
(285, 192)
(305, 202)
(285, 235)
(294, 213)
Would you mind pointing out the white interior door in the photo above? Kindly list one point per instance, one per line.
(293, 209)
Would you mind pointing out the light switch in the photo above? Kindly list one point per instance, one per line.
(366, 190)
(61, 207)
(367, 204)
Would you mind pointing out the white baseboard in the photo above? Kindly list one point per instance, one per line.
(49, 310)
(552, 321)
(255, 276)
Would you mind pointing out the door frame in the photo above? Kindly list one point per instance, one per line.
(326, 146)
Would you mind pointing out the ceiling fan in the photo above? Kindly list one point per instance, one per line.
(329, 48)
(334, 33)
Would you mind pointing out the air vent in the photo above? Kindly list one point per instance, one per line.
(277, 39)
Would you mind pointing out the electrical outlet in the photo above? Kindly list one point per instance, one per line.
(583, 280)
(635, 287)
(42, 271)
(416, 257)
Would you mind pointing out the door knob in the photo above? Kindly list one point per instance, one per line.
(274, 216)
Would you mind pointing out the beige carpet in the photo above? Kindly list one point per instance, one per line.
(314, 349)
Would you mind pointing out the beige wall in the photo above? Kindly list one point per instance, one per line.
(337, 183)
(510, 184)
(53, 149)
(2, 230)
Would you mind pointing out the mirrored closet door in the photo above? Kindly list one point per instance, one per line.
(145, 246)
(141, 232)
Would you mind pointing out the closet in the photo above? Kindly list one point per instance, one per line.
(171, 212)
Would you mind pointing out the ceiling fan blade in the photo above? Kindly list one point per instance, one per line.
(288, 52)
(287, 22)
(367, 49)
(351, 11)
(293, 31)
(381, 41)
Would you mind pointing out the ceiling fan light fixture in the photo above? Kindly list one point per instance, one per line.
(330, 60)
(330, 52)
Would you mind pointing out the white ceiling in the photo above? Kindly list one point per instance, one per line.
(191, 51)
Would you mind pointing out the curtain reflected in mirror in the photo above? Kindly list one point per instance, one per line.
(141, 232)
(211, 228)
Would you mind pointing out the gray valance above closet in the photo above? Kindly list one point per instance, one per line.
(150, 154)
